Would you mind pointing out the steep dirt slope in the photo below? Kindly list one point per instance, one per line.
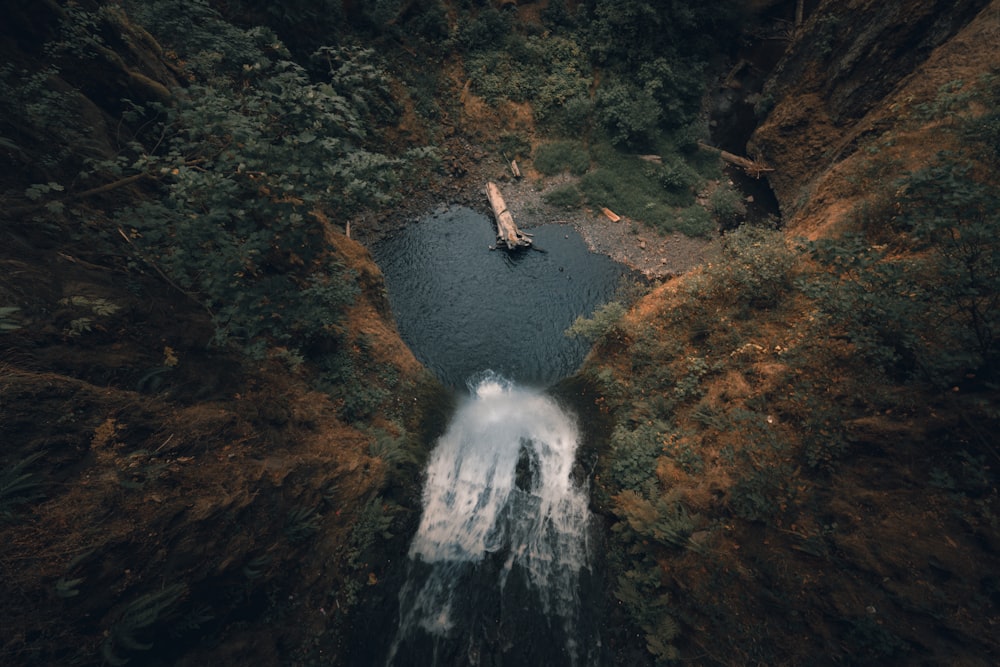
(844, 82)
(164, 501)
(808, 505)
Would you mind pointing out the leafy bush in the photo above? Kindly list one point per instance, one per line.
(932, 312)
(244, 170)
(632, 455)
(559, 156)
(954, 217)
(627, 113)
(563, 196)
(572, 118)
(867, 298)
(18, 487)
(755, 268)
(548, 71)
(482, 32)
(676, 174)
(693, 221)
(603, 320)
(727, 206)
(131, 631)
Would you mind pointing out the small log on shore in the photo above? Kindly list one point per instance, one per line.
(514, 169)
(508, 234)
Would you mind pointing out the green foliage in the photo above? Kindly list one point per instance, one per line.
(349, 378)
(8, 319)
(549, 71)
(483, 32)
(629, 114)
(693, 221)
(301, 524)
(951, 97)
(556, 157)
(633, 187)
(640, 591)
(662, 520)
(755, 270)
(981, 132)
(130, 632)
(567, 196)
(244, 165)
(656, 54)
(676, 174)
(604, 319)
(631, 457)
(34, 115)
(934, 313)
(67, 588)
(209, 45)
(393, 450)
(727, 206)
(688, 386)
(18, 487)
(39, 190)
(96, 305)
(766, 482)
(557, 16)
(955, 217)
(867, 298)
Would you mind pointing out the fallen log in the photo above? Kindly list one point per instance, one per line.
(755, 169)
(508, 234)
(514, 169)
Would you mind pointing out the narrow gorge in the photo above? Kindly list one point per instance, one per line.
(271, 395)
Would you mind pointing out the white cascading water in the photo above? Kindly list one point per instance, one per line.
(499, 497)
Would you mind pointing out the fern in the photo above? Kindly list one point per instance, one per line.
(302, 523)
(7, 321)
(128, 634)
(18, 487)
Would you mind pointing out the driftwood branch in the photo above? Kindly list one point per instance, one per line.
(751, 167)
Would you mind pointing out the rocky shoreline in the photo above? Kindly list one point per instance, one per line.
(626, 241)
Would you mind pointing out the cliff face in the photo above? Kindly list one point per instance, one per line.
(852, 72)
(156, 490)
(803, 469)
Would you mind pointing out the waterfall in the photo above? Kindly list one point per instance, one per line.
(501, 552)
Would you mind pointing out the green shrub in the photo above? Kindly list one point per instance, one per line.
(18, 487)
(9, 319)
(727, 206)
(676, 174)
(867, 298)
(755, 268)
(628, 114)
(132, 629)
(604, 319)
(242, 170)
(564, 196)
(561, 156)
(572, 118)
(693, 221)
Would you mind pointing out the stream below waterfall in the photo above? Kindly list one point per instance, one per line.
(500, 569)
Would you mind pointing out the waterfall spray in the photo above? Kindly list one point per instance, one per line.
(497, 560)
